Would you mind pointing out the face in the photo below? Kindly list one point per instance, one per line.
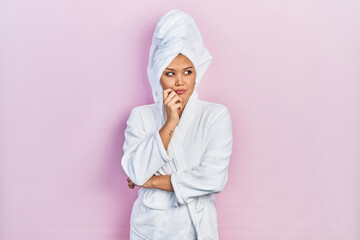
(179, 75)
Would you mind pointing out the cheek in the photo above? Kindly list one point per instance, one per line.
(191, 80)
(165, 84)
(192, 83)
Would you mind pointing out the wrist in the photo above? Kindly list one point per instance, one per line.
(171, 123)
(153, 181)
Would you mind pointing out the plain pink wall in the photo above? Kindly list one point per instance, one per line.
(289, 72)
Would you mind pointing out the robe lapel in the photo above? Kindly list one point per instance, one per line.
(175, 148)
(176, 151)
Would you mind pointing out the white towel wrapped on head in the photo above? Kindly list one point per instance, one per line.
(175, 33)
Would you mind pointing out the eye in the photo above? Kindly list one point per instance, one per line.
(189, 72)
(167, 74)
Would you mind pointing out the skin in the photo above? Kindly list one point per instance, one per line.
(180, 74)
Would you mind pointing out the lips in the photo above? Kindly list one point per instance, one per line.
(181, 91)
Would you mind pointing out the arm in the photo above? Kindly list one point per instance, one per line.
(212, 174)
(143, 155)
(166, 133)
(162, 182)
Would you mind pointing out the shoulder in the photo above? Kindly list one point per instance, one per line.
(214, 110)
(142, 113)
(144, 109)
(217, 122)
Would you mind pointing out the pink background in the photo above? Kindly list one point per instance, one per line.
(289, 72)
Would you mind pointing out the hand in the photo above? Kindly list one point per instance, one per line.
(172, 104)
(131, 184)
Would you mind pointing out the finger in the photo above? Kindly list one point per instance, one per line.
(171, 95)
(178, 106)
(166, 93)
(175, 101)
(131, 185)
(128, 179)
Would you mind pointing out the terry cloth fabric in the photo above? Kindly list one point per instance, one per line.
(175, 32)
(198, 155)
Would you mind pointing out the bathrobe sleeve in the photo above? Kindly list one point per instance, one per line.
(212, 173)
(143, 154)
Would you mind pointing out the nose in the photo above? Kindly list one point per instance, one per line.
(179, 80)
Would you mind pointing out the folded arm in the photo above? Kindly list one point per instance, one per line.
(143, 155)
(212, 173)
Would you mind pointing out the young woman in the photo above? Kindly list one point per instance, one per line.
(177, 150)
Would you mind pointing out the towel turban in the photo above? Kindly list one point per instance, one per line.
(175, 33)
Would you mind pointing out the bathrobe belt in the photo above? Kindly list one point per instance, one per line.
(194, 218)
(202, 202)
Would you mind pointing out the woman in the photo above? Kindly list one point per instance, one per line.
(177, 149)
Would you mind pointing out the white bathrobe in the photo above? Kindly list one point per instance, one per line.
(197, 157)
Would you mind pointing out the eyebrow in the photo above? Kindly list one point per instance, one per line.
(174, 69)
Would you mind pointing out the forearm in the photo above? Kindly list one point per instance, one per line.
(166, 133)
(162, 182)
